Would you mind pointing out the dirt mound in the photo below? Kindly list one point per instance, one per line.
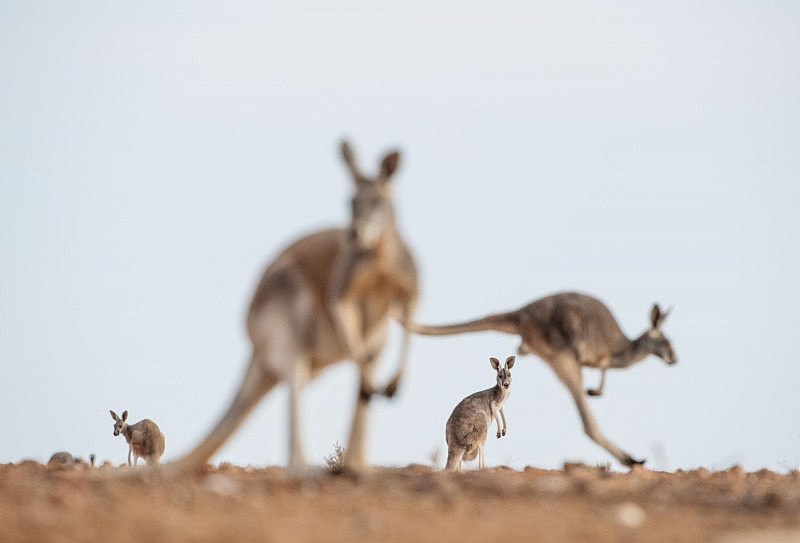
(416, 504)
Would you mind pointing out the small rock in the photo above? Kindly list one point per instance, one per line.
(630, 515)
(221, 485)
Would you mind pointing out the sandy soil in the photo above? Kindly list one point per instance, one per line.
(229, 503)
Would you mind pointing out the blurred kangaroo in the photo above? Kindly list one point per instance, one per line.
(468, 426)
(568, 331)
(327, 298)
(63, 458)
(144, 438)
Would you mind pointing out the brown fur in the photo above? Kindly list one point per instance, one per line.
(326, 298)
(144, 439)
(568, 331)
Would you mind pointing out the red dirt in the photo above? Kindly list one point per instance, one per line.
(405, 504)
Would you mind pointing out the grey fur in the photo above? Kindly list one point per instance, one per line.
(61, 458)
(468, 426)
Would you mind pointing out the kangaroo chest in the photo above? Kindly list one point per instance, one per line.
(375, 290)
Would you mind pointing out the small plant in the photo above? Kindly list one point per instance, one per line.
(335, 460)
(434, 458)
(604, 467)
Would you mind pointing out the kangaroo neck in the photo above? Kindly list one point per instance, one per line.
(384, 251)
(128, 433)
(634, 351)
(499, 394)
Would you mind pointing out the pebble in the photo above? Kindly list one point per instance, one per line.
(630, 515)
(221, 485)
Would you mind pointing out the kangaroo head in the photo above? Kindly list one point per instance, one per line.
(504, 373)
(656, 342)
(120, 424)
(372, 210)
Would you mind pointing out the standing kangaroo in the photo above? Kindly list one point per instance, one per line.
(327, 298)
(144, 439)
(568, 331)
(468, 425)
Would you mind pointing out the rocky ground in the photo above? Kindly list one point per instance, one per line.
(229, 503)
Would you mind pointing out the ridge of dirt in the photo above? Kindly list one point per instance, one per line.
(415, 503)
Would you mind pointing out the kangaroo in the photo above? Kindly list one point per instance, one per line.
(568, 331)
(144, 438)
(63, 458)
(468, 426)
(327, 298)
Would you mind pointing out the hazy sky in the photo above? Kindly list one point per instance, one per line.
(155, 156)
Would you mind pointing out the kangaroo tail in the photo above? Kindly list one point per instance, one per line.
(501, 322)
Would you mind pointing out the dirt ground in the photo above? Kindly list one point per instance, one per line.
(416, 504)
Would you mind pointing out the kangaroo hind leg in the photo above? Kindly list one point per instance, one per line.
(256, 383)
(454, 458)
(568, 370)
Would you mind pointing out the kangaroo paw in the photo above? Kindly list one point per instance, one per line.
(630, 461)
(366, 392)
(391, 388)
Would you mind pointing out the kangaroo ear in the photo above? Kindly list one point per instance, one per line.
(350, 160)
(389, 165)
(114, 415)
(124, 415)
(510, 361)
(495, 363)
(655, 316)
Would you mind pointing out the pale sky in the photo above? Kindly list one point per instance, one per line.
(154, 157)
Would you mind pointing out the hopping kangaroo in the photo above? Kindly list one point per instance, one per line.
(468, 425)
(327, 298)
(570, 330)
(144, 438)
